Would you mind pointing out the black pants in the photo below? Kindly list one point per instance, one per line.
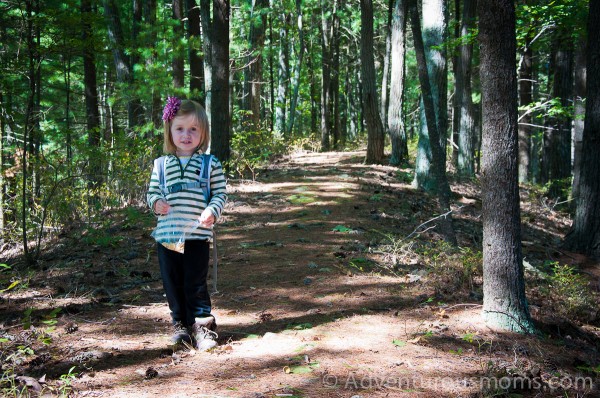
(184, 280)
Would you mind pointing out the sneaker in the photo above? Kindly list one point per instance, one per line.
(180, 334)
(203, 331)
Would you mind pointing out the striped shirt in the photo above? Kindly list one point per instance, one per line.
(188, 204)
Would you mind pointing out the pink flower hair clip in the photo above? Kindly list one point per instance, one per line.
(171, 108)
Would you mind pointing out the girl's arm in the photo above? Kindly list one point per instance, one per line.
(218, 189)
(154, 193)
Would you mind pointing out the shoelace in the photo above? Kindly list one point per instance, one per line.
(208, 334)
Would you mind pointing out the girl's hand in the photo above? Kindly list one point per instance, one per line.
(207, 218)
(161, 207)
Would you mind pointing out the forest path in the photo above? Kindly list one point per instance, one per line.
(308, 305)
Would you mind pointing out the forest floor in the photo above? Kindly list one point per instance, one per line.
(329, 286)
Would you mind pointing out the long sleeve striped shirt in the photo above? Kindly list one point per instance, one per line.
(187, 204)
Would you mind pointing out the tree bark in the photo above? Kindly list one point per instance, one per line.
(578, 124)
(556, 156)
(297, 69)
(325, 77)
(395, 116)
(584, 236)
(194, 47)
(253, 84)
(435, 21)
(387, 57)
(92, 110)
(438, 164)
(178, 62)
(149, 14)
(207, 44)
(283, 75)
(376, 135)
(466, 122)
(334, 83)
(525, 98)
(221, 120)
(504, 303)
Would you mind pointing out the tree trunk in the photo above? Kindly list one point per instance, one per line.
(466, 122)
(283, 75)
(207, 43)
(91, 95)
(253, 74)
(376, 136)
(334, 84)
(438, 164)
(504, 302)
(325, 78)
(395, 112)
(221, 120)
(386, 64)
(525, 99)
(584, 236)
(178, 62)
(434, 36)
(149, 13)
(556, 157)
(194, 48)
(578, 124)
(297, 70)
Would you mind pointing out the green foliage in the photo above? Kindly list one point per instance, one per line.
(570, 290)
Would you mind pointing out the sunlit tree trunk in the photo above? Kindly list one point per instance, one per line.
(334, 87)
(376, 135)
(385, 92)
(283, 70)
(584, 236)
(465, 109)
(435, 26)
(325, 77)
(195, 51)
(221, 120)
(149, 14)
(504, 303)
(92, 109)
(207, 43)
(297, 69)
(579, 112)
(253, 75)
(178, 62)
(438, 169)
(525, 98)
(395, 115)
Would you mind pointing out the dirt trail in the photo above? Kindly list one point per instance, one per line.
(303, 308)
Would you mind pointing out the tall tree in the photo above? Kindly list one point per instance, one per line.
(334, 83)
(375, 133)
(556, 153)
(253, 89)
(297, 69)
(221, 119)
(325, 75)
(465, 109)
(504, 302)
(194, 49)
(283, 74)
(435, 27)
(384, 101)
(395, 115)
(579, 93)
(207, 43)
(438, 164)
(584, 236)
(149, 16)
(92, 110)
(525, 99)
(178, 62)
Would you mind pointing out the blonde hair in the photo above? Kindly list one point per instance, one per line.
(188, 107)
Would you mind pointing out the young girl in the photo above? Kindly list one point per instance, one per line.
(184, 272)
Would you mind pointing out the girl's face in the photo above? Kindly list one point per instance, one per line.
(185, 133)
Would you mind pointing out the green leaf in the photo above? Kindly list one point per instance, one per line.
(304, 368)
(11, 286)
(399, 343)
(341, 228)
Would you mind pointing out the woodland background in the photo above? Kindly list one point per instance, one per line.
(83, 84)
